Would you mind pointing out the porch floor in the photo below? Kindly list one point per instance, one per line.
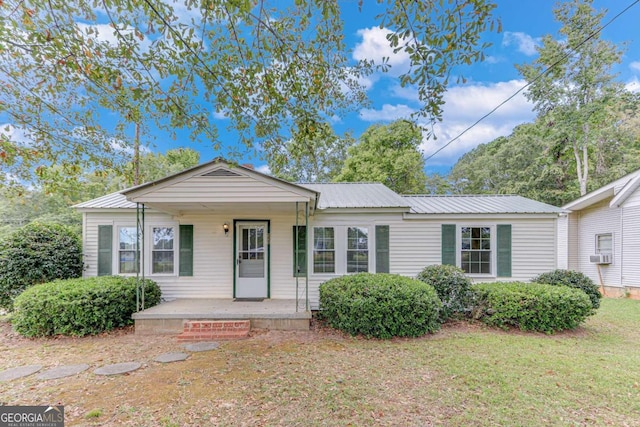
(169, 317)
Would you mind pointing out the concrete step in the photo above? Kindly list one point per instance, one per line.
(207, 330)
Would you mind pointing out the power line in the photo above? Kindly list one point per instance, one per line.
(549, 68)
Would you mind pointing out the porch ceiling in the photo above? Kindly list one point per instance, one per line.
(235, 208)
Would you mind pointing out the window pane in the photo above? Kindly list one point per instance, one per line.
(162, 262)
(323, 238)
(163, 238)
(604, 243)
(323, 262)
(475, 254)
(357, 261)
(128, 238)
(127, 262)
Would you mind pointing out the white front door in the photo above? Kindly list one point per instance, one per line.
(251, 260)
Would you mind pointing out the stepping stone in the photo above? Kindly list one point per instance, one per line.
(19, 372)
(118, 368)
(171, 357)
(62, 371)
(201, 346)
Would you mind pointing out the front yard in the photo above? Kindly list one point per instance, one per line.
(463, 375)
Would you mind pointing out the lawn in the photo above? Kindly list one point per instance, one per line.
(466, 375)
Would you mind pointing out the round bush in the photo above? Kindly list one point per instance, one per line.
(380, 305)
(531, 306)
(573, 279)
(37, 253)
(80, 306)
(452, 286)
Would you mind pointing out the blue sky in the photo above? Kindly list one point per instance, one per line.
(488, 83)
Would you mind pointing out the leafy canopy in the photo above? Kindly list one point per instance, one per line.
(266, 66)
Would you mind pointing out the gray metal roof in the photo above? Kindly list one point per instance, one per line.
(356, 195)
(489, 204)
(110, 201)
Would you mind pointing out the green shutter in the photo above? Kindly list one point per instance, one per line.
(186, 250)
(448, 244)
(382, 248)
(504, 250)
(300, 270)
(105, 251)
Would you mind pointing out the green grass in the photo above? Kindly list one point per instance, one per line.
(461, 376)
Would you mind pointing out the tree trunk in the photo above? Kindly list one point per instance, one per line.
(581, 154)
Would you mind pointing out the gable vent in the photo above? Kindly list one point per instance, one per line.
(220, 172)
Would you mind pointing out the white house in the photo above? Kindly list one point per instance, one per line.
(603, 236)
(220, 230)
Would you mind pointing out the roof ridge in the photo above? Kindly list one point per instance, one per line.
(460, 195)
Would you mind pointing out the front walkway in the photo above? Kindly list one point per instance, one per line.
(169, 317)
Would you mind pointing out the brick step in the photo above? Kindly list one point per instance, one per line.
(207, 330)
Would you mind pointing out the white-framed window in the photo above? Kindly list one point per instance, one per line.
(324, 250)
(162, 251)
(357, 249)
(127, 237)
(604, 243)
(476, 255)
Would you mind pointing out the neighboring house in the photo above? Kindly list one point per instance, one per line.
(601, 236)
(224, 231)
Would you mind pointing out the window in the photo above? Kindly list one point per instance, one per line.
(162, 251)
(357, 250)
(127, 237)
(604, 243)
(475, 251)
(300, 251)
(324, 260)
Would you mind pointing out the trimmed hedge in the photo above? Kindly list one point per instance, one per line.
(37, 253)
(79, 306)
(531, 306)
(573, 279)
(380, 305)
(452, 286)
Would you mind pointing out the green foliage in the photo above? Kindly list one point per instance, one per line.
(150, 64)
(37, 253)
(531, 306)
(572, 279)
(452, 286)
(388, 154)
(80, 307)
(380, 305)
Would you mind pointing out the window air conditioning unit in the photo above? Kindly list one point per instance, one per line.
(600, 259)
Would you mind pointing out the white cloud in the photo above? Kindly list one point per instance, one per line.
(265, 169)
(121, 147)
(220, 115)
(16, 135)
(375, 46)
(387, 113)
(466, 104)
(525, 43)
(633, 85)
(635, 66)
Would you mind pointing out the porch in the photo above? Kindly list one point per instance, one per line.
(168, 318)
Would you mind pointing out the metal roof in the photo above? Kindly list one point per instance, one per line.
(110, 201)
(356, 195)
(482, 204)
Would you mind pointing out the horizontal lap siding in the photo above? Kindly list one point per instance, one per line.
(573, 239)
(221, 189)
(533, 248)
(600, 219)
(563, 242)
(631, 240)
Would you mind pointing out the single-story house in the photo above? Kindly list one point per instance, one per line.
(600, 237)
(221, 230)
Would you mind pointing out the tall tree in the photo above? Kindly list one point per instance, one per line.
(313, 154)
(389, 154)
(577, 87)
(264, 65)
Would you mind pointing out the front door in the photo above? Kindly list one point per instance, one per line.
(251, 260)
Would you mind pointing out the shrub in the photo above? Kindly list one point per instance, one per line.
(37, 253)
(531, 306)
(573, 279)
(380, 305)
(452, 286)
(80, 306)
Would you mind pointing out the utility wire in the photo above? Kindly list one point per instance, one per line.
(549, 68)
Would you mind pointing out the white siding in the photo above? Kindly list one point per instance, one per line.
(573, 237)
(563, 242)
(208, 189)
(631, 240)
(600, 219)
